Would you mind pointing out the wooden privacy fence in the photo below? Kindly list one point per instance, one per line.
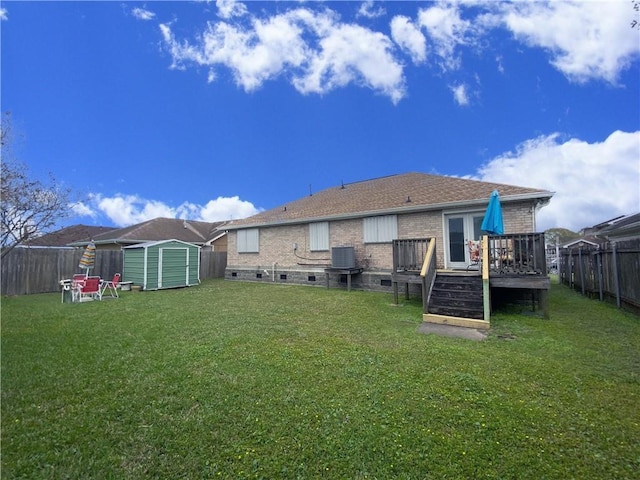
(611, 271)
(212, 264)
(38, 270)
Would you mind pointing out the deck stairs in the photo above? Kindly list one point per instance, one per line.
(456, 298)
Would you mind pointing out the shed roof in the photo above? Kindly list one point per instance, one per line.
(393, 194)
(160, 242)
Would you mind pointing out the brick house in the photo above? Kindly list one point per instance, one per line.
(293, 243)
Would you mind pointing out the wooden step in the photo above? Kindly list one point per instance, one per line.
(457, 312)
(457, 321)
(457, 296)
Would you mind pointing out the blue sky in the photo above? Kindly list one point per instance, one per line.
(217, 110)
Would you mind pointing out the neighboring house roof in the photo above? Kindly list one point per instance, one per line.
(624, 227)
(67, 235)
(393, 194)
(590, 240)
(159, 229)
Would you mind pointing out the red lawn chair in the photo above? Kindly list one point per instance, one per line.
(112, 286)
(87, 288)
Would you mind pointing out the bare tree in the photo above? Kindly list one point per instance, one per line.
(29, 207)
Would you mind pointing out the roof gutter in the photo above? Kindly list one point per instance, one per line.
(542, 199)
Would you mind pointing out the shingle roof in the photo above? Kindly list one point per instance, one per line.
(396, 193)
(162, 229)
(67, 235)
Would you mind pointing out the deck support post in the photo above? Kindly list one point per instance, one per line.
(486, 289)
(543, 296)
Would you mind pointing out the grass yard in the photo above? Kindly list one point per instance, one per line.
(243, 380)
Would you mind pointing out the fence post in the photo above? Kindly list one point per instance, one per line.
(616, 280)
(581, 270)
(570, 263)
(598, 256)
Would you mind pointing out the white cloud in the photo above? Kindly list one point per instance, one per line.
(593, 181)
(353, 54)
(4, 14)
(460, 94)
(227, 208)
(316, 51)
(254, 56)
(143, 14)
(447, 31)
(313, 49)
(409, 38)
(81, 209)
(124, 210)
(368, 10)
(230, 8)
(587, 40)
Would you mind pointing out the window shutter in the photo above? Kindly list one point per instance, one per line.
(248, 240)
(319, 236)
(381, 229)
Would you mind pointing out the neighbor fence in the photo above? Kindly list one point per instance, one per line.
(212, 264)
(38, 270)
(608, 272)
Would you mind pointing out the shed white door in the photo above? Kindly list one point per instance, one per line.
(173, 270)
(459, 229)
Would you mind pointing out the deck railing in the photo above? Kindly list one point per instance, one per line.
(409, 254)
(518, 253)
(428, 273)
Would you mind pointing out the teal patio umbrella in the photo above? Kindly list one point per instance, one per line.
(492, 221)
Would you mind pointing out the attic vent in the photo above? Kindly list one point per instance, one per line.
(343, 257)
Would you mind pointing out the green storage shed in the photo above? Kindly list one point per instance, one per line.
(161, 264)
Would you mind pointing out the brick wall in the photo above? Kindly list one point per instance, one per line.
(276, 248)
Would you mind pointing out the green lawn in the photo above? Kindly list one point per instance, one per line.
(242, 380)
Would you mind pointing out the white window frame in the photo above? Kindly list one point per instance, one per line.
(319, 236)
(381, 229)
(248, 240)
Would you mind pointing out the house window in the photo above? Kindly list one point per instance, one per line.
(381, 229)
(248, 241)
(319, 236)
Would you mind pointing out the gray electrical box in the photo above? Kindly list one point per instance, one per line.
(343, 257)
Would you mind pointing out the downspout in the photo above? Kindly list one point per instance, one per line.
(273, 272)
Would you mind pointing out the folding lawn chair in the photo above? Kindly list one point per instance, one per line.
(89, 289)
(474, 253)
(112, 286)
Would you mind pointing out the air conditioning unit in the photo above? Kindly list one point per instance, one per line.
(343, 257)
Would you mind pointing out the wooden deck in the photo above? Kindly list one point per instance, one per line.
(514, 261)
